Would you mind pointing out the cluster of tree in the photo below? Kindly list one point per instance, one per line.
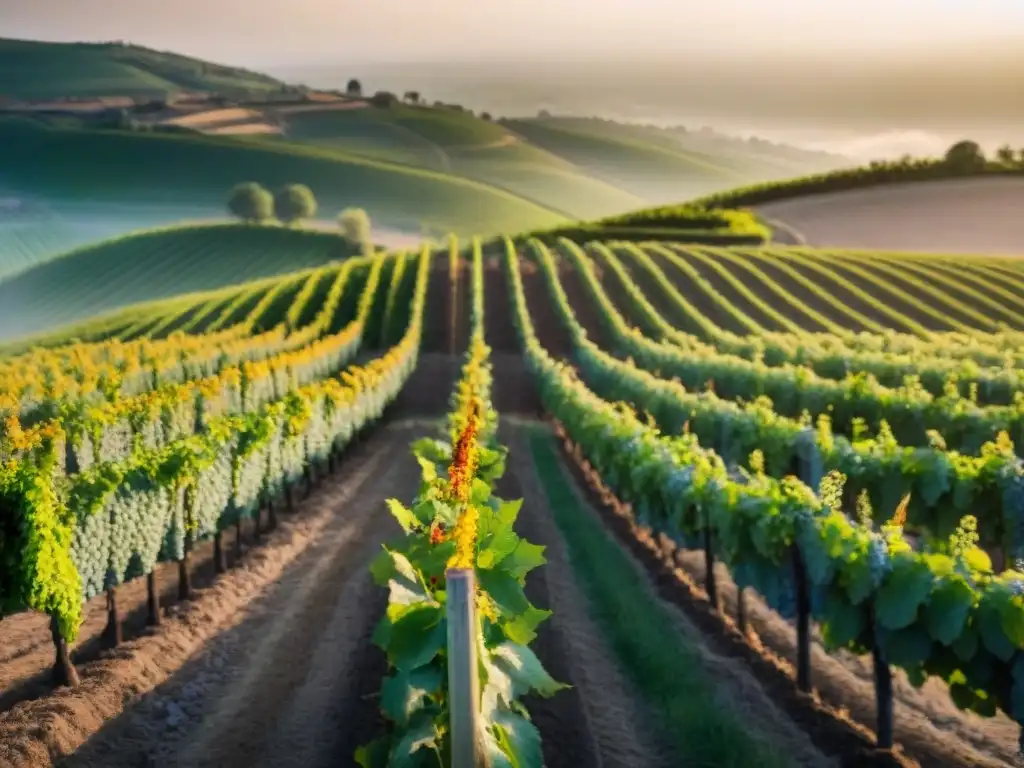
(254, 203)
(965, 158)
(251, 202)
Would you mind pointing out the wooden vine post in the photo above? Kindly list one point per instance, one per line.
(184, 575)
(883, 689)
(463, 674)
(152, 599)
(113, 635)
(238, 537)
(810, 468)
(803, 621)
(220, 556)
(710, 583)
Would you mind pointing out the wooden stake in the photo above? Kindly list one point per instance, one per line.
(463, 676)
(710, 585)
(803, 623)
(883, 691)
(152, 599)
(113, 634)
(184, 577)
(220, 557)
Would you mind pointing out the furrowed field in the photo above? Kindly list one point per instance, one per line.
(810, 452)
(733, 482)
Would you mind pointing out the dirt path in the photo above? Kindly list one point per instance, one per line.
(596, 722)
(271, 666)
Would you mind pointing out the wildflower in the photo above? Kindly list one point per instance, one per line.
(465, 539)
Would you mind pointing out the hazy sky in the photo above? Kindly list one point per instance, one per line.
(327, 31)
(888, 76)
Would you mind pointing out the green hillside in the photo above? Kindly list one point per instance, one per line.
(153, 265)
(122, 166)
(649, 171)
(31, 70)
(754, 158)
(457, 142)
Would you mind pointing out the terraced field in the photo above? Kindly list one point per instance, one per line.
(763, 472)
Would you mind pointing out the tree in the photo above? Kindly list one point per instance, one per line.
(965, 156)
(294, 202)
(354, 88)
(1006, 155)
(383, 99)
(485, 116)
(413, 97)
(251, 202)
(355, 227)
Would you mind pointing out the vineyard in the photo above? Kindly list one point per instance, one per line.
(516, 502)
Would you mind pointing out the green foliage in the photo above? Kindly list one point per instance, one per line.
(355, 226)
(964, 160)
(250, 202)
(965, 157)
(936, 615)
(294, 202)
(456, 522)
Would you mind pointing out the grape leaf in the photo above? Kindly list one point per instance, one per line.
(525, 670)
(417, 637)
(906, 589)
(946, 613)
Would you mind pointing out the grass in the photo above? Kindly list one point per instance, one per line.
(156, 264)
(115, 166)
(649, 171)
(665, 670)
(750, 158)
(459, 143)
(31, 70)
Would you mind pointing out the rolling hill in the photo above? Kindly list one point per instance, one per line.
(32, 70)
(115, 167)
(153, 265)
(455, 142)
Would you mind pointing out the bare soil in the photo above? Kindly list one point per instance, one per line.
(736, 687)
(26, 650)
(840, 715)
(546, 324)
(599, 721)
(978, 215)
(271, 666)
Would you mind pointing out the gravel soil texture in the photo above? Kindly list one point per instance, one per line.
(270, 666)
